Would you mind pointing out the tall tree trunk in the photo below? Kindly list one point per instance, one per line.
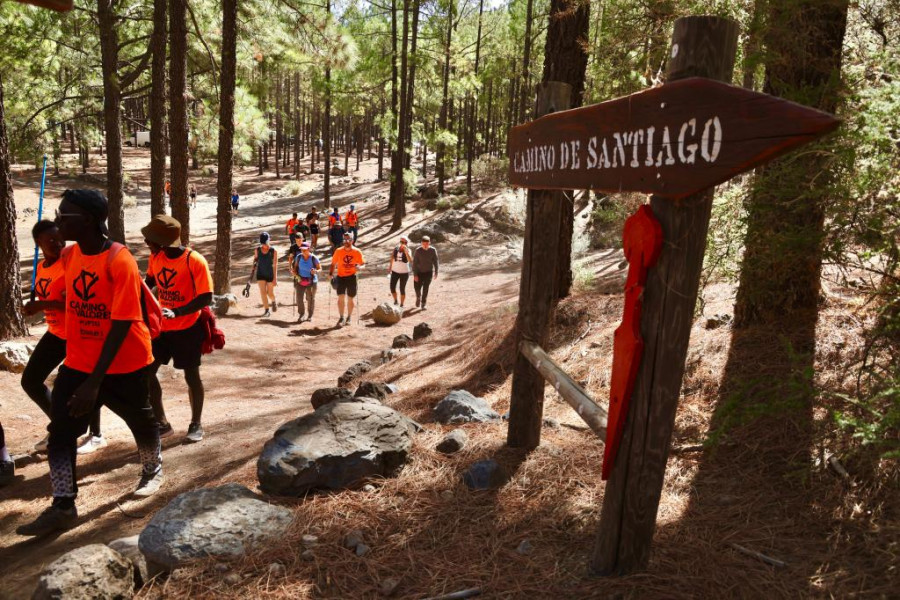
(780, 273)
(178, 121)
(222, 274)
(326, 134)
(397, 191)
(278, 121)
(158, 110)
(410, 89)
(445, 101)
(526, 64)
(395, 110)
(11, 322)
(473, 110)
(112, 116)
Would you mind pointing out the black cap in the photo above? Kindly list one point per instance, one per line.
(93, 202)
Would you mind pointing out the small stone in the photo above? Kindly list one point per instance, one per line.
(362, 549)
(551, 423)
(484, 475)
(388, 586)
(453, 442)
(401, 341)
(422, 331)
(221, 567)
(353, 539)
(309, 540)
(369, 488)
(447, 495)
(459, 406)
(524, 547)
(232, 579)
(276, 569)
(308, 555)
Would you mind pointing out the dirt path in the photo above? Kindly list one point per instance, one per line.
(264, 376)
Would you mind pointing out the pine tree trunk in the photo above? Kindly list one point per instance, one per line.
(112, 117)
(526, 64)
(11, 322)
(395, 110)
(473, 110)
(326, 133)
(222, 272)
(178, 121)
(397, 191)
(440, 168)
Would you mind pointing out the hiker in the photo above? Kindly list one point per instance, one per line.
(184, 286)
(335, 229)
(352, 221)
(347, 259)
(312, 219)
(289, 227)
(425, 266)
(50, 351)
(169, 191)
(193, 194)
(235, 202)
(305, 268)
(108, 351)
(265, 265)
(399, 269)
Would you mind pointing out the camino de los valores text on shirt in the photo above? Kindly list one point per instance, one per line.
(178, 281)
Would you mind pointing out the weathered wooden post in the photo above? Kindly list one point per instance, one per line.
(539, 252)
(704, 47)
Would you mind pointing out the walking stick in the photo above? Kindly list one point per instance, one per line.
(39, 214)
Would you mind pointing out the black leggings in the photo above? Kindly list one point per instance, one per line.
(421, 285)
(48, 354)
(126, 395)
(402, 278)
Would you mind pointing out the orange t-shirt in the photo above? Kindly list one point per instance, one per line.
(50, 284)
(178, 281)
(347, 260)
(333, 221)
(290, 224)
(352, 218)
(98, 292)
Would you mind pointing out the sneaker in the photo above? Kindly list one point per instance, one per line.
(41, 446)
(340, 322)
(165, 430)
(52, 519)
(148, 485)
(92, 444)
(395, 303)
(418, 302)
(7, 472)
(195, 432)
(309, 318)
(300, 319)
(267, 313)
(274, 306)
(423, 306)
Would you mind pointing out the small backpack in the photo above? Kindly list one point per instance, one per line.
(150, 308)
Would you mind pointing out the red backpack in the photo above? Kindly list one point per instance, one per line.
(150, 308)
(213, 337)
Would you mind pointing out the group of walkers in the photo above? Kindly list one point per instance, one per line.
(109, 336)
(192, 193)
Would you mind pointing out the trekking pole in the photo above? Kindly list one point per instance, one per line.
(39, 214)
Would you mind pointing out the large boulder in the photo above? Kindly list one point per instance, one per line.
(335, 447)
(221, 521)
(91, 572)
(353, 372)
(373, 389)
(432, 230)
(222, 304)
(324, 396)
(387, 314)
(14, 356)
(128, 547)
(459, 406)
(422, 331)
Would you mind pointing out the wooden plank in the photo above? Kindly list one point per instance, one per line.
(57, 5)
(706, 46)
(575, 395)
(539, 252)
(672, 140)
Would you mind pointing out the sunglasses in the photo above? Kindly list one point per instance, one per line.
(59, 216)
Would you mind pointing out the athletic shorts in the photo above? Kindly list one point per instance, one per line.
(182, 347)
(346, 285)
(314, 229)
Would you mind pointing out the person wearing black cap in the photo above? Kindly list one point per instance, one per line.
(108, 351)
(184, 286)
(265, 265)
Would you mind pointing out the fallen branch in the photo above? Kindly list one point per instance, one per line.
(759, 556)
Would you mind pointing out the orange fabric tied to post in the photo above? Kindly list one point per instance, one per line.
(642, 241)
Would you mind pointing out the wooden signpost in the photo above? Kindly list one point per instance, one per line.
(675, 141)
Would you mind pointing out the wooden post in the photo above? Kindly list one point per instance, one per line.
(705, 47)
(536, 290)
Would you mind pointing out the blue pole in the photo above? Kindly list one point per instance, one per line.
(40, 213)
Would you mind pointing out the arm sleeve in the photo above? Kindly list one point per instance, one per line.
(126, 283)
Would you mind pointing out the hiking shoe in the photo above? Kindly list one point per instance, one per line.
(309, 318)
(274, 306)
(423, 307)
(41, 446)
(268, 313)
(52, 519)
(92, 444)
(418, 302)
(195, 433)
(165, 430)
(148, 485)
(7, 472)
(300, 319)
(340, 322)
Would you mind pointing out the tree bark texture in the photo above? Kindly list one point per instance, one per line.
(11, 322)
(158, 109)
(178, 120)
(445, 102)
(222, 269)
(112, 116)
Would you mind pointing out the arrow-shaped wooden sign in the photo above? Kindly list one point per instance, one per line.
(672, 140)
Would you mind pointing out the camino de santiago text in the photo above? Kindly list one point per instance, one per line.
(694, 141)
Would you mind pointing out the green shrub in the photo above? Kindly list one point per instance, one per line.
(292, 188)
(491, 171)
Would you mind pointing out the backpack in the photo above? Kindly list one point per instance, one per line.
(213, 337)
(150, 308)
(400, 255)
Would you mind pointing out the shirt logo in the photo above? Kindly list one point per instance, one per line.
(166, 278)
(42, 287)
(348, 260)
(83, 285)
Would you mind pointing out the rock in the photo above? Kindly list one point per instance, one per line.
(372, 389)
(452, 222)
(431, 230)
(388, 355)
(276, 569)
(422, 331)
(388, 586)
(323, 396)
(353, 539)
(551, 423)
(392, 388)
(309, 540)
(387, 314)
(453, 442)
(219, 521)
(353, 372)
(369, 488)
(362, 549)
(338, 171)
(484, 475)
(222, 304)
(447, 495)
(128, 547)
(428, 191)
(221, 568)
(717, 321)
(524, 547)
(335, 447)
(14, 356)
(91, 572)
(401, 341)
(232, 579)
(459, 406)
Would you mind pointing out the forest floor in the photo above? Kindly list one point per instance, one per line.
(763, 488)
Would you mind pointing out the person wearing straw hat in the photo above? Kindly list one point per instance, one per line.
(401, 259)
(184, 286)
(347, 260)
(425, 267)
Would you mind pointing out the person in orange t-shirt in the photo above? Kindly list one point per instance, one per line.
(347, 260)
(352, 219)
(184, 286)
(289, 227)
(108, 351)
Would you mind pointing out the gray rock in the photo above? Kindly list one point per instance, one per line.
(308, 555)
(453, 442)
(353, 539)
(362, 549)
(222, 304)
(387, 314)
(388, 586)
(392, 388)
(276, 569)
(447, 495)
(551, 423)
(401, 341)
(459, 406)
(335, 447)
(324, 396)
(368, 488)
(524, 547)
(431, 230)
(128, 547)
(220, 521)
(422, 331)
(14, 356)
(388, 355)
(484, 475)
(90, 572)
(232, 579)
(372, 389)
(309, 540)
(353, 372)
